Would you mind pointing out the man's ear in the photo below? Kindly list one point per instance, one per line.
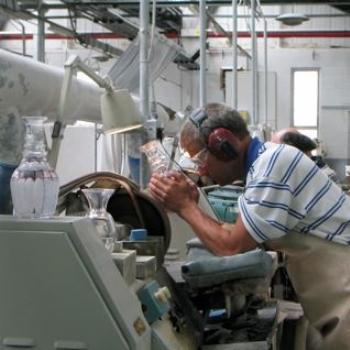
(224, 144)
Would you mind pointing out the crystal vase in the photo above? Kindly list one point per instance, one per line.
(34, 184)
(156, 156)
(98, 199)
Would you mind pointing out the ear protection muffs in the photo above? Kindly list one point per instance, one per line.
(221, 142)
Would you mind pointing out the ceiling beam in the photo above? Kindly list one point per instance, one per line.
(173, 3)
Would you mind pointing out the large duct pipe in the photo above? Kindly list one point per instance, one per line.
(34, 89)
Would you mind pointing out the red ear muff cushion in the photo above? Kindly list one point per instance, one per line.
(223, 144)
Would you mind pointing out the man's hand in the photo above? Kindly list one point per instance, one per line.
(174, 191)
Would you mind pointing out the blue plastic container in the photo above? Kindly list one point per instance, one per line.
(224, 201)
(139, 234)
(134, 166)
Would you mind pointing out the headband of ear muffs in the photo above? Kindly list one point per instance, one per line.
(221, 142)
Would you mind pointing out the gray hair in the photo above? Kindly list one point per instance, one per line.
(219, 116)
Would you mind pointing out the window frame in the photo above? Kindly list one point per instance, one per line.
(305, 69)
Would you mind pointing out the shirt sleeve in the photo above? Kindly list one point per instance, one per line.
(268, 209)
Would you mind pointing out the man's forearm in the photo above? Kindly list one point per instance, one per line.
(215, 236)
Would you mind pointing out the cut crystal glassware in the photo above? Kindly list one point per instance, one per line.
(34, 184)
(105, 226)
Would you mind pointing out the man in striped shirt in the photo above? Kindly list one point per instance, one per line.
(288, 204)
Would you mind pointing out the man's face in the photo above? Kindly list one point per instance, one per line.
(223, 172)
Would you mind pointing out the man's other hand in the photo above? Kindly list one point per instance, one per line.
(173, 190)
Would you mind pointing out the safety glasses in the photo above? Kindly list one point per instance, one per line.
(200, 159)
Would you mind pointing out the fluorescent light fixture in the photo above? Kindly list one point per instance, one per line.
(292, 19)
(119, 112)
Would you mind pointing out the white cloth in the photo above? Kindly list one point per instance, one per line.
(320, 273)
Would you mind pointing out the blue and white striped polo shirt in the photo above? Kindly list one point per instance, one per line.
(286, 191)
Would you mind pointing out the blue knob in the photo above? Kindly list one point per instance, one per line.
(139, 234)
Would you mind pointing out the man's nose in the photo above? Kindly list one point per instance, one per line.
(202, 171)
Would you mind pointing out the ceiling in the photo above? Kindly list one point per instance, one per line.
(168, 13)
(115, 15)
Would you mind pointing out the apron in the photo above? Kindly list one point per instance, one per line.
(320, 273)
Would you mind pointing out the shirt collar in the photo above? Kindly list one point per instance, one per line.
(252, 154)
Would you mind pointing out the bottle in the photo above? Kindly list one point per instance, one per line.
(34, 184)
(156, 156)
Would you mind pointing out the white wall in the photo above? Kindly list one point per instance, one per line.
(77, 151)
(244, 95)
(334, 68)
(334, 96)
(177, 88)
(174, 88)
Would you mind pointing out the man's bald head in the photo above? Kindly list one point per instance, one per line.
(293, 137)
(278, 136)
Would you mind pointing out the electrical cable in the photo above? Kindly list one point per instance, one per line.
(246, 15)
(258, 10)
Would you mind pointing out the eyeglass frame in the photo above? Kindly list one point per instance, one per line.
(200, 158)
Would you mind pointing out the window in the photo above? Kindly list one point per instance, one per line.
(305, 101)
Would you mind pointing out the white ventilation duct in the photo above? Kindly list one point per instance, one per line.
(125, 73)
(34, 88)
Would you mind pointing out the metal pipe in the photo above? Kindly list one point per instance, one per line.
(167, 3)
(144, 79)
(271, 16)
(40, 39)
(96, 137)
(24, 44)
(234, 55)
(101, 82)
(220, 30)
(203, 50)
(144, 64)
(265, 73)
(23, 35)
(241, 34)
(254, 65)
(123, 152)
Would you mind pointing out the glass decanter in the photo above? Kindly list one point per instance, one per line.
(98, 199)
(34, 184)
(156, 156)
